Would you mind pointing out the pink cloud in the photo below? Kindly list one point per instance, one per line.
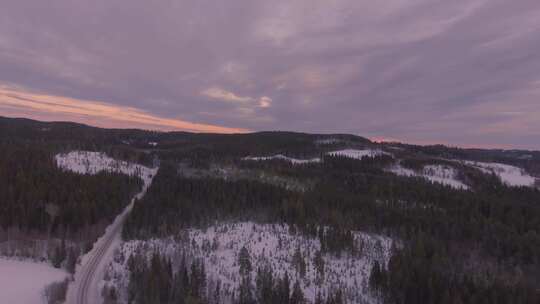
(17, 102)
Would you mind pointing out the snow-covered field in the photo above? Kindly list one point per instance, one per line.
(85, 162)
(509, 175)
(358, 154)
(267, 244)
(23, 282)
(442, 174)
(294, 161)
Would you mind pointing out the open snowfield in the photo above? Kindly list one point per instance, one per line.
(509, 175)
(23, 282)
(267, 244)
(441, 174)
(85, 162)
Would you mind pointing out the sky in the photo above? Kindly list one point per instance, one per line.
(461, 72)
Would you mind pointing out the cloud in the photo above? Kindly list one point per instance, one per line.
(265, 102)
(224, 95)
(244, 105)
(102, 114)
(455, 72)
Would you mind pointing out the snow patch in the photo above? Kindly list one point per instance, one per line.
(441, 174)
(509, 175)
(294, 161)
(351, 153)
(85, 162)
(23, 282)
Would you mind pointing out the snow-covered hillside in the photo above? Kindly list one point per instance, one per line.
(267, 244)
(358, 154)
(85, 162)
(23, 282)
(294, 161)
(509, 175)
(351, 153)
(442, 174)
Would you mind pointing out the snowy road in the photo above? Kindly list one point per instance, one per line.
(85, 289)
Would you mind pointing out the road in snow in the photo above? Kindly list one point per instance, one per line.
(85, 288)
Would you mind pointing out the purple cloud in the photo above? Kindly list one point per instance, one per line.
(464, 72)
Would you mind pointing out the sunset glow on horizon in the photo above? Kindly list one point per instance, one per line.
(39, 106)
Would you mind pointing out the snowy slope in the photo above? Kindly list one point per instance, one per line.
(358, 154)
(270, 245)
(294, 161)
(509, 175)
(24, 282)
(441, 174)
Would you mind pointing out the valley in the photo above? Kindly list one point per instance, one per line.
(267, 218)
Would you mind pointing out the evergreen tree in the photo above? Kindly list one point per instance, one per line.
(244, 260)
(297, 296)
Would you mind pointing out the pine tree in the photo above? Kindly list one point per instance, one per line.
(283, 289)
(297, 296)
(319, 298)
(71, 261)
(375, 276)
(244, 260)
(318, 261)
(245, 292)
(265, 285)
(299, 262)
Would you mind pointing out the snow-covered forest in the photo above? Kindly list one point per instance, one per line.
(271, 217)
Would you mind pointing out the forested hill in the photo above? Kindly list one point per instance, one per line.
(284, 217)
(22, 128)
(58, 133)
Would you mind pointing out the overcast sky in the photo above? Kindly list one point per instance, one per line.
(460, 72)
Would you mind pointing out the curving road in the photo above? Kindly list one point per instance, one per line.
(85, 292)
(85, 287)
